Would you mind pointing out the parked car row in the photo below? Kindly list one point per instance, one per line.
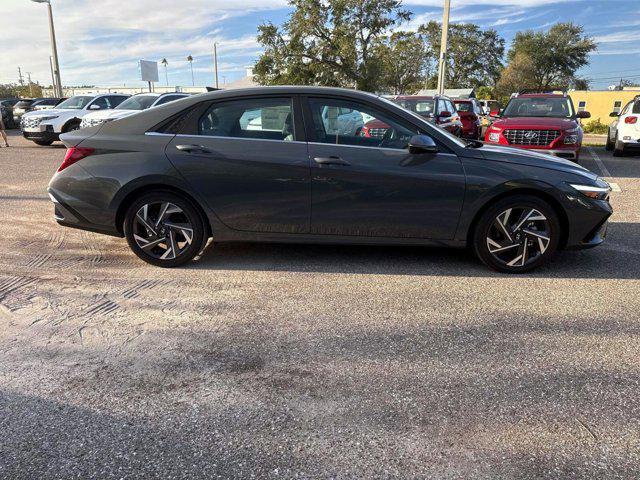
(44, 126)
(14, 108)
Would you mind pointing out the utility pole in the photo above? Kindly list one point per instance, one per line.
(20, 80)
(54, 48)
(442, 65)
(215, 62)
(30, 84)
(53, 77)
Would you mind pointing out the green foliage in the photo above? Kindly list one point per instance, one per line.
(403, 61)
(485, 93)
(595, 126)
(22, 91)
(550, 59)
(328, 42)
(474, 56)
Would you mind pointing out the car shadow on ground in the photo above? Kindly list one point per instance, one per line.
(619, 257)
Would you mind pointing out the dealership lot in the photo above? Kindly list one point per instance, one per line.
(312, 361)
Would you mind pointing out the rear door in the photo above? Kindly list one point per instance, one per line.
(372, 186)
(247, 157)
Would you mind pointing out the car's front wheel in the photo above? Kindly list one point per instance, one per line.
(618, 148)
(43, 143)
(517, 234)
(164, 229)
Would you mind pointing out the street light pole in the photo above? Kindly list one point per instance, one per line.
(442, 65)
(54, 49)
(215, 61)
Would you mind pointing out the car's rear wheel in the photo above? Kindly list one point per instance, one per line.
(618, 148)
(164, 229)
(610, 144)
(43, 143)
(517, 234)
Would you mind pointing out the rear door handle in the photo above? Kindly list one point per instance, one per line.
(193, 148)
(333, 160)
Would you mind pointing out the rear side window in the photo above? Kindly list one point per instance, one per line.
(168, 98)
(255, 118)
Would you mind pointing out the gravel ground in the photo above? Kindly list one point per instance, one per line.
(285, 361)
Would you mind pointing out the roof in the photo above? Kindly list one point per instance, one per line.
(540, 95)
(451, 92)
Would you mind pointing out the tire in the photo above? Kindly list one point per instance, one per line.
(609, 145)
(503, 257)
(43, 143)
(188, 240)
(618, 149)
(71, 126)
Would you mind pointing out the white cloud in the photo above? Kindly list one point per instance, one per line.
(99, 42)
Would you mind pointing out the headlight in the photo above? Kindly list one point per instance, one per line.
(42, 119)
(592, 191)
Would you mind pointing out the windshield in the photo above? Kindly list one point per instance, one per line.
(76, 103)
(559, 107)
(137, 102)
(464, 106)
(421, 107)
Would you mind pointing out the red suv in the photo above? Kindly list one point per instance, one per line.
(546, 122)
(438, 110)
(470, 115)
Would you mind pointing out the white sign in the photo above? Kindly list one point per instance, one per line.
(148, 71)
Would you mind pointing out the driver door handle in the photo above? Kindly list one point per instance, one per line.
(193, 148)
(332, 160)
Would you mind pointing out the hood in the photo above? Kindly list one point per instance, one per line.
(535, 123)
(51, 111)
(530, 158)
(109, 114)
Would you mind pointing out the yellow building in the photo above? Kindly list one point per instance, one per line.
(600, 103)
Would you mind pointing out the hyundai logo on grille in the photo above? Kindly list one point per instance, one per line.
(531, 135)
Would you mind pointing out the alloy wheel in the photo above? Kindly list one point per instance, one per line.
(518, 236)
(162, 230)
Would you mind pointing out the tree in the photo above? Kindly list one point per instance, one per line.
(485, 93)
(190, 60)
(517, 75)
(554, 56)
(403, 60)
(328, 42)
(474, 56)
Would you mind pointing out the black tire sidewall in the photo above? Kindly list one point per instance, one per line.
(42, 144)
(487, 218)
(199, 236)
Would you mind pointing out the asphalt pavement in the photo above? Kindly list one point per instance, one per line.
(293, 361)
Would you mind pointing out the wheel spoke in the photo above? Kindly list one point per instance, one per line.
(543, 241)
(143, 219)
(501, 226)
(163, 211)
(497, 247)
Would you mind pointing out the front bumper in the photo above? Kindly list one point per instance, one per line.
(570, 154)
(41, 136)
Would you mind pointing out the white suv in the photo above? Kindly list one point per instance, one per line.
(624, 131)
(44, 127)
(131, 105)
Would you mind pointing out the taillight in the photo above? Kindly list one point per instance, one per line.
(631, 120)
(73, 155)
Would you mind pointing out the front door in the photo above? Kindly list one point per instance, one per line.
(366, 183)
(244, 158)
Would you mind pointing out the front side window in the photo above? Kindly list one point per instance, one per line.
(115, 100)
(636, 107)
(557, 107)
(363, 125)
(77, 102)
(258, 118)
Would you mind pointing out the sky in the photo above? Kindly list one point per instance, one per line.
(100, 42)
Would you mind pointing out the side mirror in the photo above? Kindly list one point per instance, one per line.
(583, 114)
(422, 144)
(614, 114)
(444, 114)
(94, 107)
